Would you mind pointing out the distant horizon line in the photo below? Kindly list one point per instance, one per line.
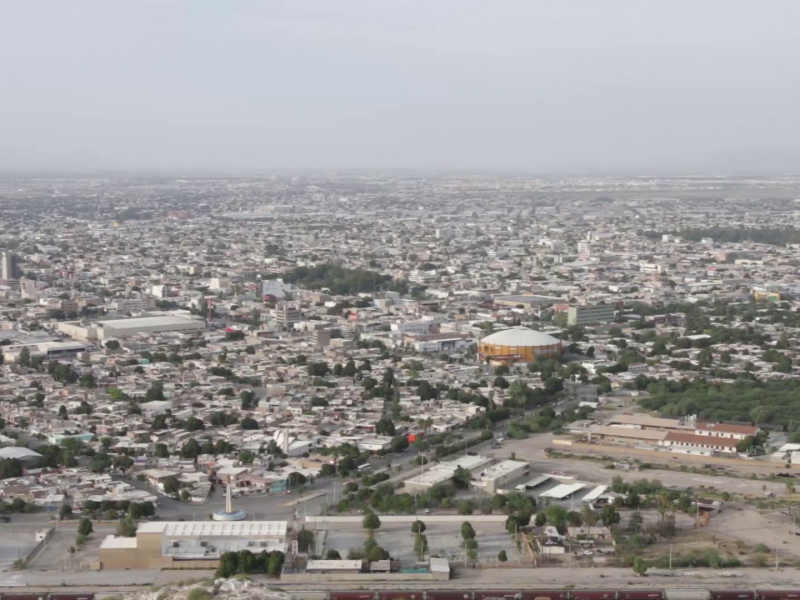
(197, 172)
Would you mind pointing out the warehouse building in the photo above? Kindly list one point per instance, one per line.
(189, 544)
(497, 476)
(443, 472)
(124, 328)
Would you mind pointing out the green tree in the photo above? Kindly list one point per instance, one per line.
(10, 467)
(85, 527)
(171, 486)
(371, 521)
(126, 528)
(418, 527)
(462, 478)
(385, 426)
(639, 566)
(420, 545)
(467, 531)
(228, 565)
(275, 565)
(305, 540)
(249, 423)
(24, 357)
(465, 507)
(609, 516)
(556, 516)
(65, 512)
(635, 522)
(502, 556)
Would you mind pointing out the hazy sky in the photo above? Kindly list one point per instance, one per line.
(642, 85)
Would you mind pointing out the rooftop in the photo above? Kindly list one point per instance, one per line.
(520, 336)
(215, 528)
(144, 322)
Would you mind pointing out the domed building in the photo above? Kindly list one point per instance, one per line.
(518, 344)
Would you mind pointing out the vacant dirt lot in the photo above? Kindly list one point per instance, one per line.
(532, 449)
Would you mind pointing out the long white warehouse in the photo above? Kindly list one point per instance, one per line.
(124, 328)
(564, 490)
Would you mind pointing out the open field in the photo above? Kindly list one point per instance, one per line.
(533, 448)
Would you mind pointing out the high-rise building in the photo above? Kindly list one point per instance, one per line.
(590, 314)
(286, 314)
(10, 266)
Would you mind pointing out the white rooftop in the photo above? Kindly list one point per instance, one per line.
(564, 490)
(18, 452)
(333, 565)
(113, 541)
(145, 322)
(215, 528)
(502, 468)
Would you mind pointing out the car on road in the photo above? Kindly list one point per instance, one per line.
(427, 511)
(5, 519)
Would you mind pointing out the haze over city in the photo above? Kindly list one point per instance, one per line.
(399, 300)
(616, 86)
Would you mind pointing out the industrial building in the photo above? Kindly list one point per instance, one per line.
(518, 344)
(189, 544)
(125, 328)
(443, 472)
(590, 314)
(497, 476)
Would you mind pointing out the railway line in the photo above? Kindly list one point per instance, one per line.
(580, 594)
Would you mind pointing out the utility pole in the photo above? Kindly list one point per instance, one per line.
(670, 557)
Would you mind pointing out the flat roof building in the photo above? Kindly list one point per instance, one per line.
(124, 328)
(189, 544)
(497, 476)
(443, 472)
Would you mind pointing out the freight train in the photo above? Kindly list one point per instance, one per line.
(46, 596)
(674, 594)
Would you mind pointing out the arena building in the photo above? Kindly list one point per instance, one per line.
(518, 344)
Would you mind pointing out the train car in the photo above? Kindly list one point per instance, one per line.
(497, 595)
(407, 595)
(593, 595)
(733, 595)
(351, 595)
(42, 596)
(778, 594)
(641, 595)
(544, 595)
(688, 594)
(448, 595)
(70, 596)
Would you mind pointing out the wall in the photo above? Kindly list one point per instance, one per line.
(319, 521)
(40, 546)
(361, 577)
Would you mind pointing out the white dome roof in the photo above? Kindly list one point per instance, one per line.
(520, 336)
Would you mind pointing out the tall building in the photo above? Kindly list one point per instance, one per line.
(590, 314)
(286, 314)
(10, 266)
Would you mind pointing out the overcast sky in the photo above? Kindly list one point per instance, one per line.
(571, 86)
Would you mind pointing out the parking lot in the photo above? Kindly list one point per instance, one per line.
(444, 540)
